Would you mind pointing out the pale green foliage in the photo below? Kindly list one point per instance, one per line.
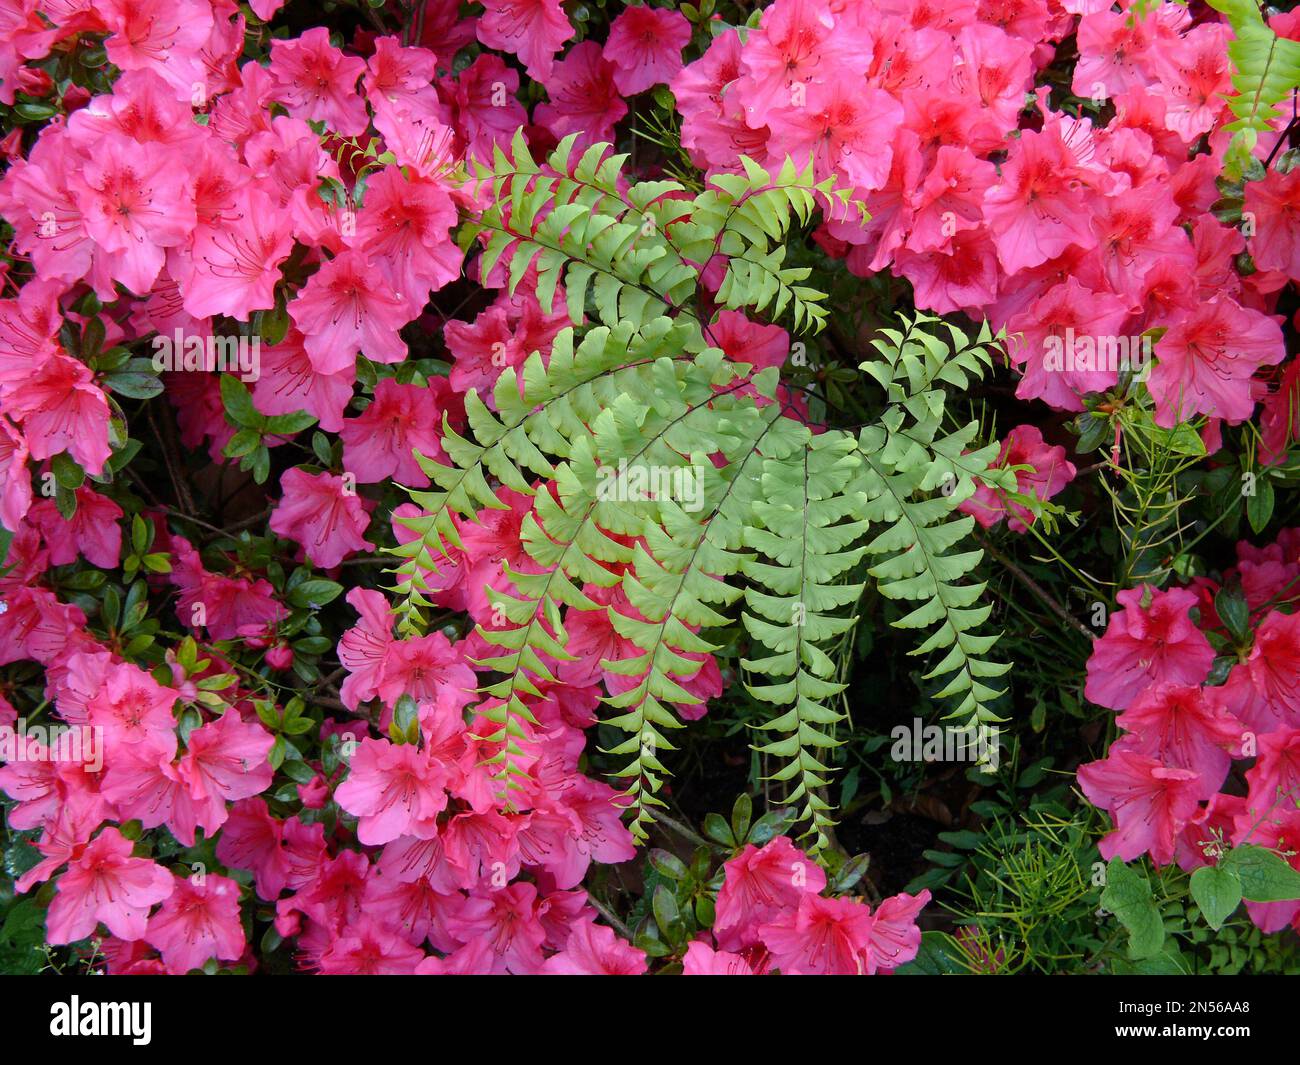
(783, 522)
(1266, 70)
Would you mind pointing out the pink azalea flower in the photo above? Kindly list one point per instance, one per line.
(1274, 779)
(289, 383)
(198, 922)
(227, 760)
(230, 604)
(582, 97)
(380, 442)
(1056, 370)
(1039, 208)
(404, 229)
(368, 948)
(93, 532)
(798, 44)
(1048, 474)
(395, 790)
(703, 960)
(822, 937)
(131, 706)
(534, 30)
(1205, 361)
(895, 937)
(29, 328)
(341, 311)
(316, 81)
(1148, 802)
(363, 650)
(399, 74)
(280, 854)
(963, 274)
(322, 514)
(594, 950)
(1264, 690)
(761, 885)
(1184, 727)
(235, 263)
(1146, 645)
(846, 130)
(135, 205)
(429, 669)
(1275, 204)
(61, 409)
(105, 884)
(507, 920)
(482, 117)
(645, 45)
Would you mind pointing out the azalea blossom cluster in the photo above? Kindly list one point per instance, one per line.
(230, 182)
(1188, 723)
(771, 915)
(1045, 222)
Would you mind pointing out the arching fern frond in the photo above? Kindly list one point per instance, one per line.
(781, 527)
(1266, 70)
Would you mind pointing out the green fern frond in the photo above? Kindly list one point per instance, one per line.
(790, 521)
(1266, 72)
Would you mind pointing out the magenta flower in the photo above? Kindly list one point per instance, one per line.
(1145, 645)
(395, 790)
(1148, 802)
(322, 514)
(534, 30)
(316, 81)
(105, 884)
(198, 922)
(645, 45)
(342, 311)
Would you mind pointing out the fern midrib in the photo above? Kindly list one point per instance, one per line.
(681, 584)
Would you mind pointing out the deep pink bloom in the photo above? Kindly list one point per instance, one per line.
(289, 383)
(1039, 208)
(760, 885)
(1184, 727)
(583, 98)
(135, 205)
(105, 884)
(594, 950)
(380, 443)
(234, 263)
(846, 130)
(645, 45)
(404, 230)
(341, 312)
(1148, 802)
(395, 789)
(822, 937)
(1264, 690)
(316, 81)
(60, 408)
(703, 960)
(322, 513)
(1205, 361)
(1146, 645)
(1048, 474)
(895, 937)
(198, 921)
(534, 30)
(93, 532)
